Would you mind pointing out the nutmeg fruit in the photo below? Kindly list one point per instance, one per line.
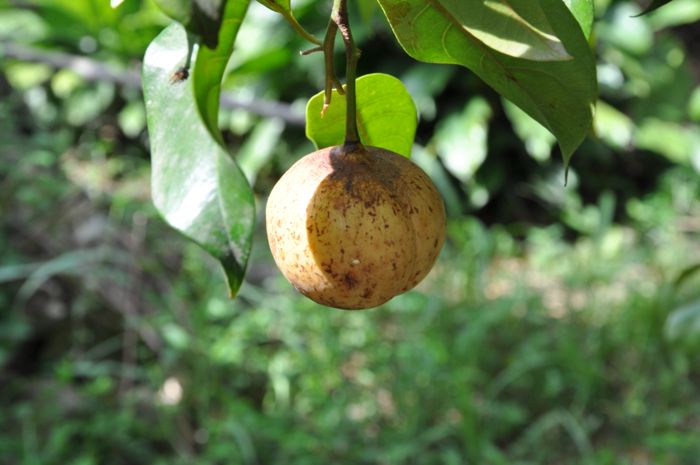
(353, 226)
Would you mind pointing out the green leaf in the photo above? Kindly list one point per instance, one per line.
(210, 65)
(560, 95)
(196, 186)
(653, 5)
(524, 32)
(584, 12)
(694, 105)
(200, 17)
(679, 143)
(179, 10)
(462, 139)
(386, 115)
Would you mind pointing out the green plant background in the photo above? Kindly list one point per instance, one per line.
(560, 325)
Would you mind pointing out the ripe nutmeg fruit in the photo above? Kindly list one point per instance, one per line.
(352, 226)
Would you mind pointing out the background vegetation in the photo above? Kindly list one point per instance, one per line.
(560, 325)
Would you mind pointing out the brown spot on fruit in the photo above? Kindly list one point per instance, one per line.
(350, 280)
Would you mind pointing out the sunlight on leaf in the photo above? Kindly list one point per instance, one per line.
(498, 25)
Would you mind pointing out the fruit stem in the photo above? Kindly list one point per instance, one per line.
(339, 16)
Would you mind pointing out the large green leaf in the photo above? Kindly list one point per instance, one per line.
(386, 115)
(210, 65)
(201, 17)
(196, 185)
(560, 95)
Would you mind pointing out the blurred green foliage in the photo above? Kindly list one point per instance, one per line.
(561, 325)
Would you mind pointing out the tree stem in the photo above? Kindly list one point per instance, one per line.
(339, 15)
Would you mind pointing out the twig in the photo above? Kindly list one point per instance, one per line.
(94, 70)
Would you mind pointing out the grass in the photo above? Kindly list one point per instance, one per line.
(537, 351)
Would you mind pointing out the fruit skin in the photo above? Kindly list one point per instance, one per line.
(352, 226)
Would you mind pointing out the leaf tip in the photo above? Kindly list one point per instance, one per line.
(233, 276)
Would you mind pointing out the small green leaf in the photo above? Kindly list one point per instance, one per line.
(386, 115)
(196, 186)
(584, 12)
(560, 95)
(210, 65)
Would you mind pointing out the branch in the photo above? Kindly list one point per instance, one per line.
(93, 70)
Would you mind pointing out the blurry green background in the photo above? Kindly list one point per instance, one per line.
(561, 325)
